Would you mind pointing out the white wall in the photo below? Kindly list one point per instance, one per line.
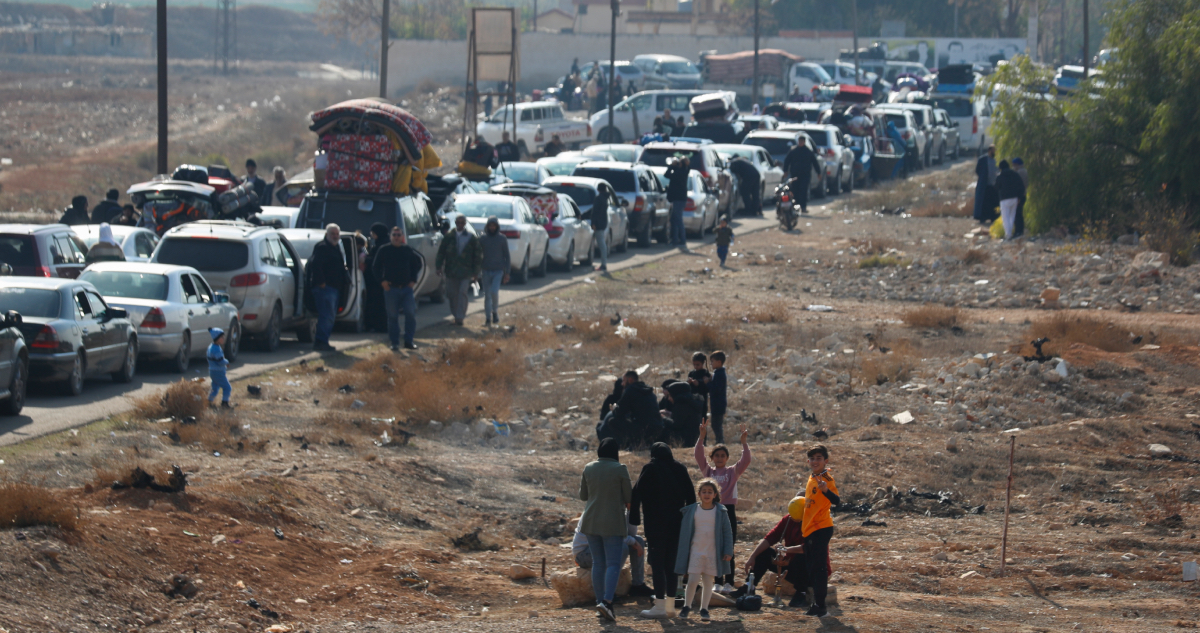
(547, 56)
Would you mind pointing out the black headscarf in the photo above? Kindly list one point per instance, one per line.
(608, 448)
(660, 452)
(380, 232)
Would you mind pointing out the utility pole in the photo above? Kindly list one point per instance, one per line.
(384, 23)
(854, 20)
(612, 65)
(1086, 45)
(754, 80)
(162, 86)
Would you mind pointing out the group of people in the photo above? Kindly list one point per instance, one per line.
(1002, 185)
(633, 416)
(690, 531)
(590, 92)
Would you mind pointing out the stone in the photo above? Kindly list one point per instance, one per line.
(780, 257)
(1128, 556)
(876, 419)
(775, 385)
(357, 404)
(830, 343)
(869, 434)
(521, 572)
(952, 444)
(1054, 527)
(942, 556)
(482, 428)
(1147, 260)
(1129, 239)
(960, 425)
(436, 426)
(574, 587)
(971, 574)
(458, 430)
(1159, 450)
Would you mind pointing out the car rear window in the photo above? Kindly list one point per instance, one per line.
(820, 137)
(899, 119)
(657, 157)
(203, 254)
(956, 107)
(619, 179)
(561, 167)
(18, 250)
(520, 172)
(484, 208)
(31, 302)
(129, 285)
(582, 196)
(774, 146)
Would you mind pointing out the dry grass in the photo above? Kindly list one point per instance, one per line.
(678, 335)
(895, 366)
(179, 400)
(875, 245)
(881, 261)
(26, 505)
(972, 256)
(1064, 329)
(944, 209)
(774, 311)
(932, 316)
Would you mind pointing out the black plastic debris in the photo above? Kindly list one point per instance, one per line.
(870, 523)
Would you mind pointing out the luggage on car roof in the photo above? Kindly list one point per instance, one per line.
(191, 173)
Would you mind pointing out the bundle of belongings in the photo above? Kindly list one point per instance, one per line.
(166, 203)
(374, 147)
(477, 160)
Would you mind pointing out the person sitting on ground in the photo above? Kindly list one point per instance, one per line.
(634, 548)
(106, 249)
(634, 419)
(664, 403)
(612, 399)
(506, 150)
(687, 414)
(128, 217)
(554, 147)
(108, 208)
(77, 213)
(783, 547)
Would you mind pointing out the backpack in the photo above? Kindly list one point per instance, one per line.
(750, 601)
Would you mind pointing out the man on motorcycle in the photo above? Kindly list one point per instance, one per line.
(799, 166)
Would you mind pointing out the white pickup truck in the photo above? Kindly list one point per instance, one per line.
(537, 123)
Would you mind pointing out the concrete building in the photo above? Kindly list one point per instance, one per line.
(556, 21)
(110, 41)
(655, 17)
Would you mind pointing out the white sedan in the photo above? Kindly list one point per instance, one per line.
(623, 152)
(570, 236)
(172, 308)
(584, 191)
(770, 173)
(137, 243)
(528, 242)
(531, 173)
(564, 163)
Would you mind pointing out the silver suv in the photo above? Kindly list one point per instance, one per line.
(256, 265)
(835, 153)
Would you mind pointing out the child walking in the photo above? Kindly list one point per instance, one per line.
(727, 478)
(724, 239)
(216, 368)
(705, 546)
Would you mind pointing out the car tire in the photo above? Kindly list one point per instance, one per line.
(624, 248)
(129, 366)
(540, 269)
(835, 187)
(569, 263)
(307, 332)
(17, 389)
(268, 341)
(957, 149)
(849, 186)
(522, 275)
(643, 238)
(183, 356)
(609, 135)
(439, 294)
(591, 253)
(233, 340)
(73, 385)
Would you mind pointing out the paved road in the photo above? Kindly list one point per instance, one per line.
(47, 412)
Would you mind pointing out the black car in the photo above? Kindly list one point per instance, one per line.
(14, 364)
(71, 332)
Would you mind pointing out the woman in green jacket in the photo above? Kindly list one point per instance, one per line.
(606, 488)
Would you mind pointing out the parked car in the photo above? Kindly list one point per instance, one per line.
(668, 71)
(626, 72)
(350, 312)
(770, 172)
(764, 122)
(713, 132)
(280, 217)
(648, 105)
(923, 116)
(584, 191)
(537, 123)
(704, 159)
(700, 211)
(843, 73)
(807, 75)
(171, 307)
(531, 173)
(906, 124)
(830, 145)
(71, 332)
(640, 193)
(258, 267)
(951, 140)
(42, 250)
(528, 241)
(571, 236)
(14, 364)
(562, 165)
(972, 119)
(357, 212)
(138, 244)
(620, 152)
(778, 143)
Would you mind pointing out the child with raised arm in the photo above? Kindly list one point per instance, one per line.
(705, 546)
(727, 478)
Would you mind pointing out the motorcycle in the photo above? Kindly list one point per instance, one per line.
(785, 209)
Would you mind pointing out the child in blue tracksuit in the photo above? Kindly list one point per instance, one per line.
(216, 368)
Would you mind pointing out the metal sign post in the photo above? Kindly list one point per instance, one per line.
(493, 54)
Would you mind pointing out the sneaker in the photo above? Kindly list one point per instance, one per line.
(717, 588)
(495, 318)
(704, 615)
(823, 613)
(605, 611)
(813, 610)
(410, 346)
(799, 601)
(603, 269)
(739, 592)
(640, 590)
(684, 612)
(322, 346)
(727, 589)
(395, 348)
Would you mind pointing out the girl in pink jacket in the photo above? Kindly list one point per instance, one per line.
(727, 478)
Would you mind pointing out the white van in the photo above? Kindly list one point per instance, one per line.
(668, 71)
(648, 104)
(807, 75)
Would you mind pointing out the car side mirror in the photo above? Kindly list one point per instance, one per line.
(5, 269)
(624, 203)
(12, 319)
(221, 297)
(115, 313)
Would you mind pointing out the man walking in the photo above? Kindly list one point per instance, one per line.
(749, 184)
(599, 220)
(1011, 189)
(459, 259)
(328, 277)
(800, 163)
(398, 267)
(506, 150)
(107, 209)
(497, 263)
(677, 195)
(985, 174)
(260, 185)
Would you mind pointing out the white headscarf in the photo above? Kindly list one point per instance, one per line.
(106, 236)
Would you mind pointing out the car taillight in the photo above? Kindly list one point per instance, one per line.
(690, 206)
(589, 130)
(248, 279)
(704, 174)
(829, 152)
(537, 137)
(249, 317)
(154, 319)
(43, 271)
(511, 234)
(974, 125)
(554, 230)
(907, 135)
(46, 340)
(639, 203)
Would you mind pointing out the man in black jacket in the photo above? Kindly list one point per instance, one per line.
(108, 208)
(327, 278)
(635, 416)
(506, 150)
(398, 267)
(749, 184)
(598, 216)
(77, 213)
(687, 412)
(1010, 189)
(800, 164)
(677, 195)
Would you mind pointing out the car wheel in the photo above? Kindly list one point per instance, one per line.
(591, 253)
(129, 367)
(307, 332)
(835, 187)
(609, 135)
(73, 385)
(268, 341)
(849, 186)
(643, 238)
(625, 240)
(540, 269)
(957, 149)
(183, 356)
(570, 261)
(233, 340)
(439, 294)
(522, 275)
(16, 389)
